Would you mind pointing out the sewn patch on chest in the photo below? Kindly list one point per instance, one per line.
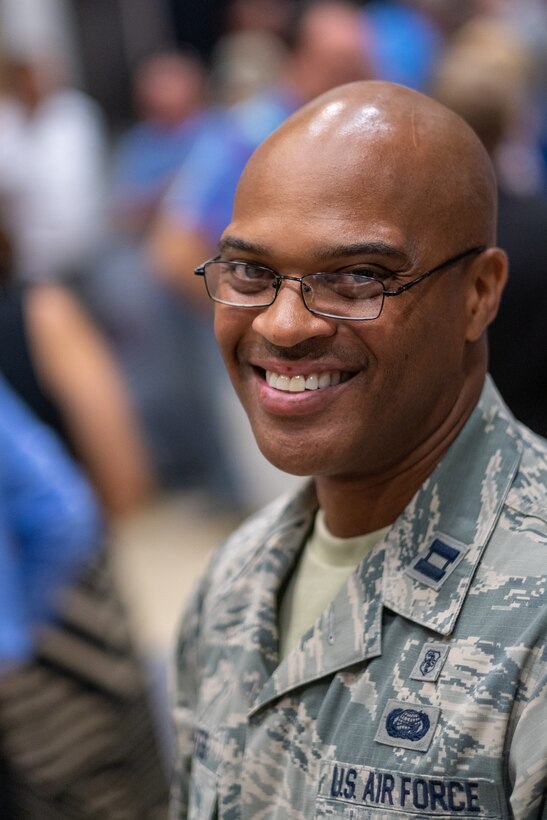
(430, 661)
(434, 564)
(407, 725)
(404, 793)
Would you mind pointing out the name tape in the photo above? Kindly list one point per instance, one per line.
(401, 792)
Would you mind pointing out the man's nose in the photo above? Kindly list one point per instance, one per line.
(287, 321)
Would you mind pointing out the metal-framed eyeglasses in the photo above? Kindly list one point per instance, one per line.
(348, 294)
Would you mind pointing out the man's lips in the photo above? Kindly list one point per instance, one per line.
(298, 389)
(302, 372)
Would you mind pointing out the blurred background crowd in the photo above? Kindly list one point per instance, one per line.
(124, 126)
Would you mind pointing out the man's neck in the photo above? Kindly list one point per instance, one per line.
(355, 505)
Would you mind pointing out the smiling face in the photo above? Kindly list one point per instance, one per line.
(357, 182)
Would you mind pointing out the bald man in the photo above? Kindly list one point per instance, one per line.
(373, 646)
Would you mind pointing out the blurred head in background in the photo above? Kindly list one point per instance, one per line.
(328, 47)
(169, 87)
(309, 48)
(485, 77)
(31, 78)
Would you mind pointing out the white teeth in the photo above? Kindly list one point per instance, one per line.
(297, 384)
(283, 383)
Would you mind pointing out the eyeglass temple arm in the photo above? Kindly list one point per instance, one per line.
(447, 264)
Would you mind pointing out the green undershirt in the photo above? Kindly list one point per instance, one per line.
(324, 566)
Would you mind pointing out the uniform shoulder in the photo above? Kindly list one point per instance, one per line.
(528, 494)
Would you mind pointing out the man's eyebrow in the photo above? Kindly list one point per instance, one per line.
(371, 248)
(237, 244)
(321, 254)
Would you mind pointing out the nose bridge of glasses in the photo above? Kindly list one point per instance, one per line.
(281, 278)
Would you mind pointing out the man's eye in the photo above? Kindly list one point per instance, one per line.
(249, 272)
(244, 277)
(352, 284)
(370, 272)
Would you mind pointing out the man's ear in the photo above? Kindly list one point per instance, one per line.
(487, 276)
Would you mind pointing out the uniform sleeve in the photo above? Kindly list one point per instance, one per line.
(185, 689)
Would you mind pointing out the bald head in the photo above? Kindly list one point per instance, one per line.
(377, 139)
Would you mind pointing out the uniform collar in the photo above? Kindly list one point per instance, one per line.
(447, 524)
(458, 507)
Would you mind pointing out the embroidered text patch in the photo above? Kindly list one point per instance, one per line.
(394, 792)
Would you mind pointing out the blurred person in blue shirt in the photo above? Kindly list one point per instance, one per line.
(49, 525)
(52, 168)
(171, 103)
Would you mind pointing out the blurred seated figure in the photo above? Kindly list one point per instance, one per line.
(78, 734)
(76, 739)
(484, 77)
(49, 526)
(170, 97)
(52, 153)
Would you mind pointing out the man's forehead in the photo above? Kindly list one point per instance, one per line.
(343, 145)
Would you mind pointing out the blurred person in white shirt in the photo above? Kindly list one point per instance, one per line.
(52, 151)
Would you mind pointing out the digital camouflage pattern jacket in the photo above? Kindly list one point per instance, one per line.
(420, 692)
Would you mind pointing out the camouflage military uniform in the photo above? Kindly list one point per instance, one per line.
(419, 692)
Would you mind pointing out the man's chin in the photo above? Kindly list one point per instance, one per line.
(298, 461)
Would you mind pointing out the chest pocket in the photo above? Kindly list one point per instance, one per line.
(203, 797)
(366, 793)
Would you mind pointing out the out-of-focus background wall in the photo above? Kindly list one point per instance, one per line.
(124, 125)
